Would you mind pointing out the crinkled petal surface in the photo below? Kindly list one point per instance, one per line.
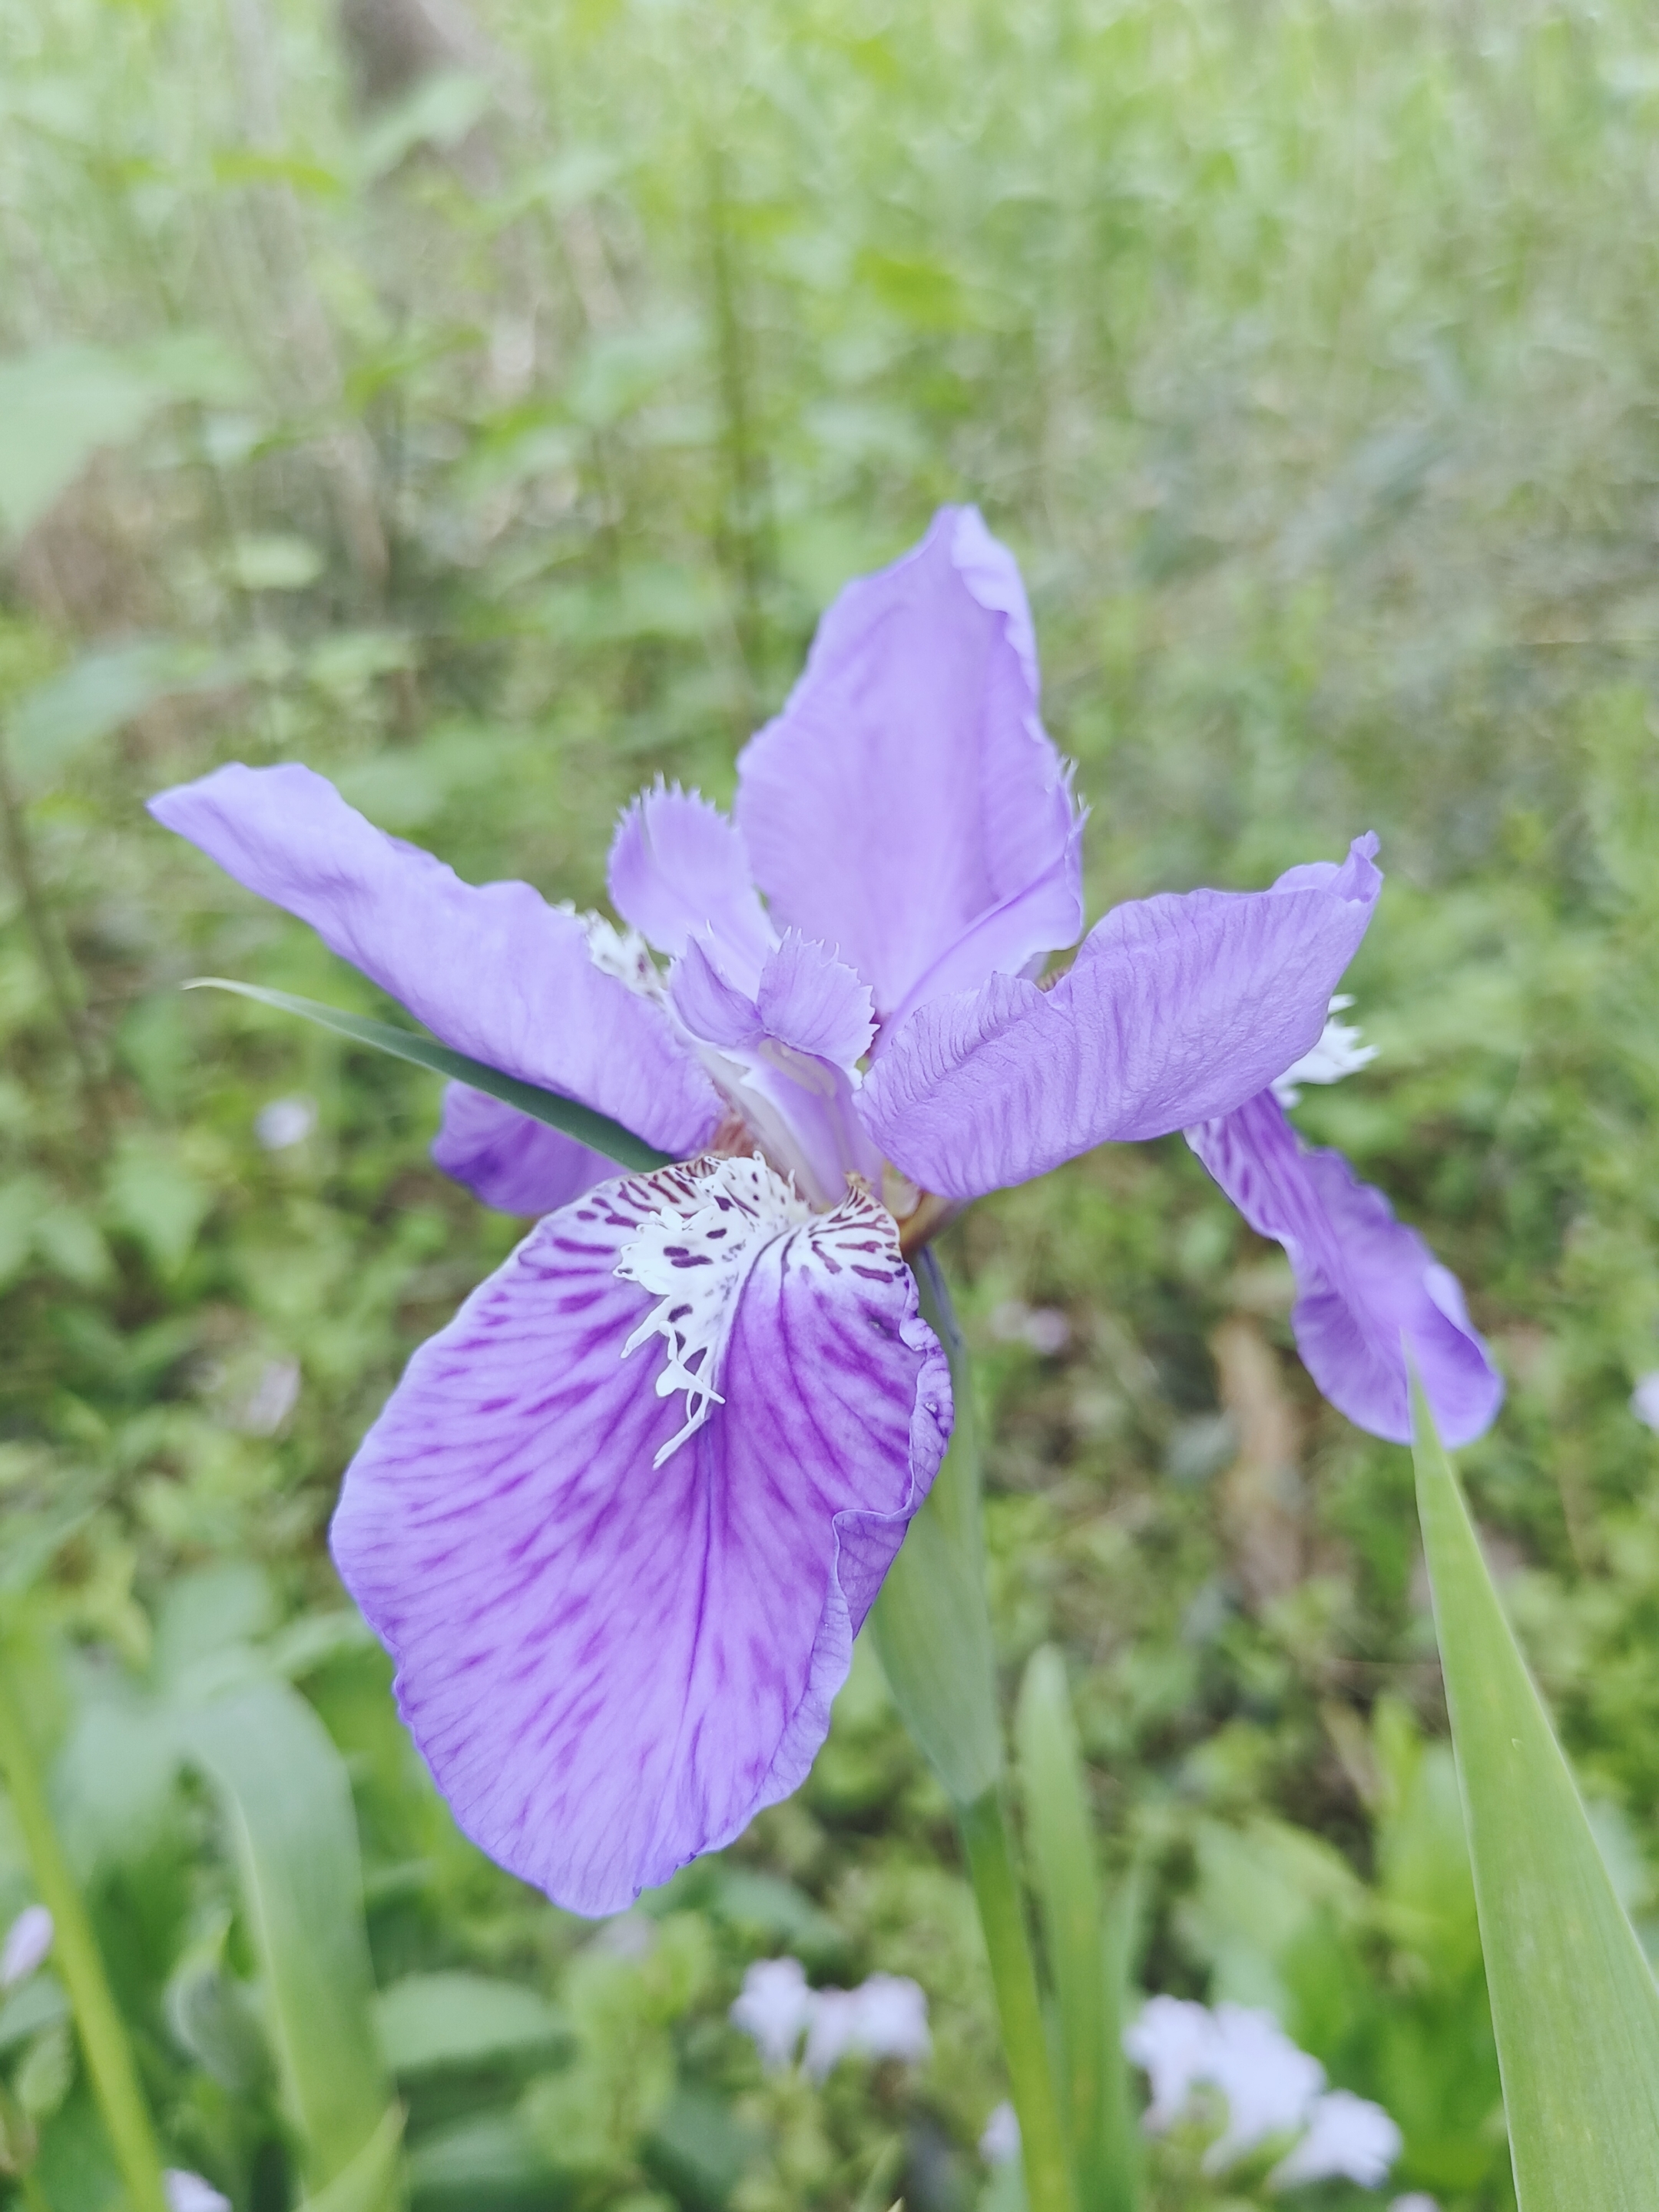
(677, 868)
(908, 791)
(1371, 1289)
(508, 1159)
(1176, 1010)
(491, 970)
(610, 1664)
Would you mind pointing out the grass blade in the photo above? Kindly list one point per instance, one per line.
(595, 1130)
(1573, 2001)
(1085, 1958)
(289, 1804)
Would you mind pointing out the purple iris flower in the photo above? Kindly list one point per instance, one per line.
(621, 1521)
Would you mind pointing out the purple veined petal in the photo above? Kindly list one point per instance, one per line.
(678, 867)
(787, 1062)
(492, 970)
(508, 1159)
(1371, 1290)
(908, 793)
(622, 1589)
(1176, 1010)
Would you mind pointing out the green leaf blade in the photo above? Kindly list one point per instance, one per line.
(594, 1130)
(1574, 2002)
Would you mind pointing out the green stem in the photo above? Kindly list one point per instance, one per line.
(984, 1826)
(75, 1948)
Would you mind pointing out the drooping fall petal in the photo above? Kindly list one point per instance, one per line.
(510, 1161)
(906, 808)
(1372, 1292)
(622, 1591)
(1177, 1009)
(491, 969)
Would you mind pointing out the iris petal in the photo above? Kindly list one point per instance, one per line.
(678, 867)
(1371, 1289)
(611, 1665)
(907, 798)
(1176, 1010)
(491, 970)
(515, 1163)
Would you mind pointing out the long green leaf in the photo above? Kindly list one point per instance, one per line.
(1085, 1956)
(1573, 2001)
(288, 1805)
(595, 1130)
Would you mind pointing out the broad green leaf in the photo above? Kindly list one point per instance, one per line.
(1573, 1999)
(1085, 1956)
(289, 1807)
(439, 2023)
(932, 1627)
(578, 1122)
(373, 2180)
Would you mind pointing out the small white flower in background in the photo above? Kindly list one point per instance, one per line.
(885, 2017)
(1644, 1400)
(1271, 2089)
(188, 2192)
(1348, 2139)
(285, 1121)
(999, 2144)
(774, 2009)
(1045, 1328)
(1268, 2083)
(27, 1941)
(1416, 2201)
(1340, 1051)
(270, 1401)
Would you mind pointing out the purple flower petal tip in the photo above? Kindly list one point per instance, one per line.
(678, 869)
(621, 1521)
(1373, 1301)
(1177, 1009)
(492, 970)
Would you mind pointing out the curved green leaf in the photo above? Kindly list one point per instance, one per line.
(1573, 2001)
(595, 1130)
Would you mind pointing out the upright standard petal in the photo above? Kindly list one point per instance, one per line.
(1178, 1009)
(514, 1163)
(491, 970)
(622, 1590)
(678, 869)
(907, 807)
(1372, 1292)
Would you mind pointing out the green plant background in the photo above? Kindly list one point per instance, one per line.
(489, 438)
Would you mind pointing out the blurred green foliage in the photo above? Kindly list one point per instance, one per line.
(481, 410)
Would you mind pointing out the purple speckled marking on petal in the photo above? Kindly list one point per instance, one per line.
(1176, 1010)
(1366, 1281)
(611, 1666)
(492, 970)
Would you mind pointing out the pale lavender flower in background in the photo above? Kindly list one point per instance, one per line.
(29, 1942)
(1044, 1328)
(1270, 2089)
(999, 2144)
(1644, 1400)
(775, 2008)
(621, 1521)
(884, 2017)
(188, 2192)
(1414, 2202)
(284, 1122)
(1348, 2139)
